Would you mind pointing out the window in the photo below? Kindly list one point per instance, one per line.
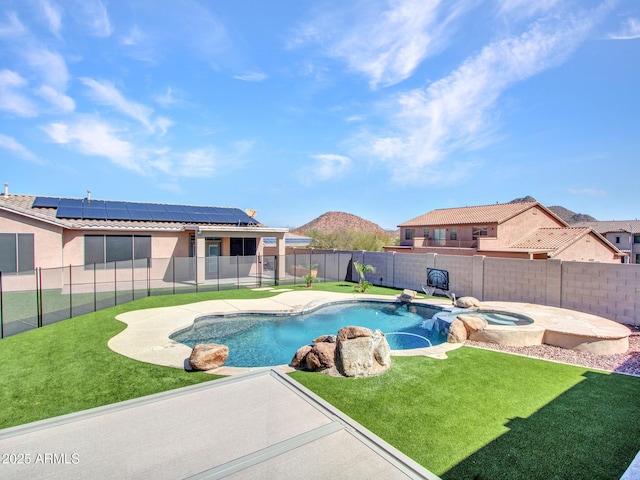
(425, 232)
(243, 247)
(636, 239)
(439, 237)
(116, 248)
(409, 233)
(453, 234)
(637, 258)
(479, 232)
(16, 252)
(617, 239)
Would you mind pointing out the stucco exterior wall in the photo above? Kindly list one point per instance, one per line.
(523, 224)
(163, 244)
(588, 249)
(47, 238)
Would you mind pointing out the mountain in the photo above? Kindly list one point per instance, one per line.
(332, 221)
(564, 213)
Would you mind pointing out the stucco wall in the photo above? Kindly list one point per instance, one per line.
(47, 238)
(611, 290)
(588, 249)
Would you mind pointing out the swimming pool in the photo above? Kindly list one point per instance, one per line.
(256, 340)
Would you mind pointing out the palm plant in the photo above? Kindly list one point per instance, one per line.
(362, 268)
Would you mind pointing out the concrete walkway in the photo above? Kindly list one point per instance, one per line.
(250, 426)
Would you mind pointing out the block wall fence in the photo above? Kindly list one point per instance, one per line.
(609, 290)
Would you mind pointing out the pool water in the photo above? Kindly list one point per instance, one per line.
(264, 340)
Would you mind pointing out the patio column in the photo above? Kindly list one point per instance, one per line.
(200, 258)
(280, 247)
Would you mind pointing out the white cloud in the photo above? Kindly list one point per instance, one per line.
(166, 98)
(196, 163)
(11, 144)
(629, 30)
(96, 18)
(385, 43)
(106, 93)
(458, 111)
(95, 138)
(525, 8)
(11, 98)
(53, 14)
(13, 28)
(327, 166)
(163, 124)
(50, 65)
(251, 77)
(60, 101)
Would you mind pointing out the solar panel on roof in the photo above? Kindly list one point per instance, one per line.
(142, 215)
(115, 205)
(174, 208)
(70, 202)
(45, 202)
(94, 213)
(93, 203)
(155, 207)
(136, 206)
(69, 212)
(118, 214)
(161, 216)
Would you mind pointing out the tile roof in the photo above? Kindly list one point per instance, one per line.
(610, 226)
(22, 204)
(550, 239)
(478, 215)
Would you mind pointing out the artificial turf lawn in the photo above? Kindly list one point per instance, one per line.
(488, 415)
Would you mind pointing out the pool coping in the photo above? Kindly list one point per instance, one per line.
(147, 336)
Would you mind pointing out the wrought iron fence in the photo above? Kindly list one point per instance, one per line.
(44, 296)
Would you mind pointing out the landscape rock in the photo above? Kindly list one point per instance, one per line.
(325, 338)
(473, 323)
(381, 349)
(348, 333)
(407, 295)
(457, 332)
(321, 356)
(354, 356)
(207, 356)
(467, 302)
(299, 359)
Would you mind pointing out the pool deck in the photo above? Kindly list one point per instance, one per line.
(146, 337)
(257, 425)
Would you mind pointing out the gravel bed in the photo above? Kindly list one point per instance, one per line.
(628, 362)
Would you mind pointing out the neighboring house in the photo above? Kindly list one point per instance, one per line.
(624, 234)
(512, 230)
(51, 232)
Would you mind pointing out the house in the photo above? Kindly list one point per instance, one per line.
(52, 232)
(512, 230)
(624, 234)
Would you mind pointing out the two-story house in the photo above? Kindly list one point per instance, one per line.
(624, 234)
(512, 230)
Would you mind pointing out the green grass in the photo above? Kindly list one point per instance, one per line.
(67, 366)
(478, 415)
(488, 415)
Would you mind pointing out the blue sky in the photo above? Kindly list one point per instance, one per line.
(383, 109)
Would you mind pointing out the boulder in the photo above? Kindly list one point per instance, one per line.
(348, 333)
(207, 356)
(407, 295)
(381, 349)
(473, 323)
(354, 356)
(299, 358)
(325, 338)
(321, 356)
(467, 302)
(457, 332)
